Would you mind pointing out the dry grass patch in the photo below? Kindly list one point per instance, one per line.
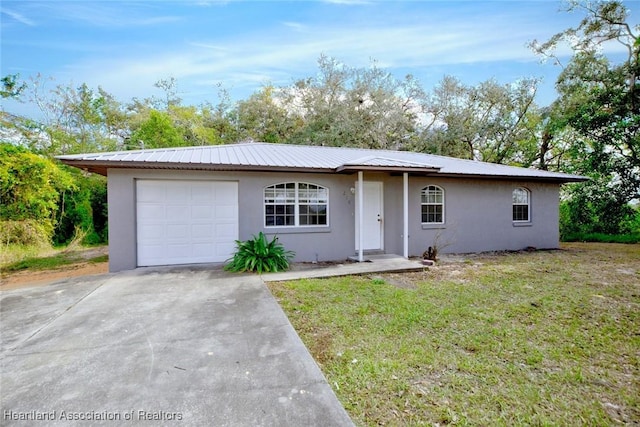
(542, 338)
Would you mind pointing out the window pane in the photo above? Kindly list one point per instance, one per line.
(520, 196)
(280, 202)
(432, 199)
(520, 212)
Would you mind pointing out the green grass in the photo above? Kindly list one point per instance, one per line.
(48, 259)
(542, 338)
(603, 238)
(37, 263)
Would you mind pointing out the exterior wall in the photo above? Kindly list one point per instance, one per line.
(477, 214)
(336, 241)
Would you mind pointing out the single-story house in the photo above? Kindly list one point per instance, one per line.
(189, 205)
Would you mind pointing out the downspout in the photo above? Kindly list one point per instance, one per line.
(405, 221)
(360, 216)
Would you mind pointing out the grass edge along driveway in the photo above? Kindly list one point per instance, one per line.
(531, 338)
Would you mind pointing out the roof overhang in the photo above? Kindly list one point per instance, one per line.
(386, 164)
(101, 167)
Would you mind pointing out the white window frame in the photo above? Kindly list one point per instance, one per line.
(527, 204)
(296, 202)
(423, 193)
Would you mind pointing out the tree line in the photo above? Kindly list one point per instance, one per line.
(590, 129)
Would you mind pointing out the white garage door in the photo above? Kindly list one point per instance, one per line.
(186, 222)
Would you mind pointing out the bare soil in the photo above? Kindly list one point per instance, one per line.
(29, 278)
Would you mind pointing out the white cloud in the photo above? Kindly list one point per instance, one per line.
(105, 14)
(18, 17)
(282, 53)
(279, 58)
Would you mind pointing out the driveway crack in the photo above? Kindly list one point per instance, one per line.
(38, 330)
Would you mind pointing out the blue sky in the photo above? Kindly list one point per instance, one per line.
(126, 46)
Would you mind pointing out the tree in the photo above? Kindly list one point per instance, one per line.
(30, 187)
(11, 86)
(600, 104)
(488, 122)
(357, 107)
(157, 131)
(262, 118)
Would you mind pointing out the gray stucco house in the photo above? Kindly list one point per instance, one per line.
(189, 205)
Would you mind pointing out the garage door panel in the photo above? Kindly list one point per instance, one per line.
(147, 192)
(151, 251)
(178, 251)
(202, 194)
(177, 231)
(176, 211)
(227, 231)
(182, 222)
(151, 211)
(226, 212)
(225, 250)
(203, 249)
(203, 212)
(150, 232)
(203, 231)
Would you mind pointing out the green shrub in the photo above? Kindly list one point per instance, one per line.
(602, 238)
(259, 255)
(27, 232)
(84, 207)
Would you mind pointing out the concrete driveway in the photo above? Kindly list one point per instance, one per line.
(157, 347)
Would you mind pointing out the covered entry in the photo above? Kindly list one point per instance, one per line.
(185, 222)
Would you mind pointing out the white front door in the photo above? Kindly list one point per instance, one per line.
(373, 220)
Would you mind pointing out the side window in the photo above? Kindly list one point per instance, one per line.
(294, 204)
(432, 205)
(521, 205)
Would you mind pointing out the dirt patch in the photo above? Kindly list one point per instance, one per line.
(30, 278)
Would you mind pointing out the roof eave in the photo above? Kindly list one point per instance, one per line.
(551, 179)
(358, 168)
(100, 167)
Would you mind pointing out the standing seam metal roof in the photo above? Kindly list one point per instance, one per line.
(266, 156)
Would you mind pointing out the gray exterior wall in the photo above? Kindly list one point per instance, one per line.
(477, 214)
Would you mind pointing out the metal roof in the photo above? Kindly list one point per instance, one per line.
(258, 156)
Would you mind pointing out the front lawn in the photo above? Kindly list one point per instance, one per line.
(532, 338)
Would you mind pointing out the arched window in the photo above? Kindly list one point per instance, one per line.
(521, 204)
(432, 205)
(296, 204)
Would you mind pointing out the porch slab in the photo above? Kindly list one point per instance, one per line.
(382, 263)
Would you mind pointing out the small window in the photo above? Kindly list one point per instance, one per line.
(432, 205)
(521, 205)
(294, 204)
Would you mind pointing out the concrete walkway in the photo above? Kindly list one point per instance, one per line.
(373, 264)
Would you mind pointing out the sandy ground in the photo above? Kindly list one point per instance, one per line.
(44, 277)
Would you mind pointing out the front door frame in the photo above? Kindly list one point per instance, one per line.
(361, 214)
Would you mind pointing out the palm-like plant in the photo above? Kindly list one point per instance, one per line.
(260, 255)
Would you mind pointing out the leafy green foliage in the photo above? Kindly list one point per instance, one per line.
(157, 131)
(488, 122)
(26, 232)
(83, 208)
(11, 87)
(41, 201)
(30, 186)
(260, 255)
(599, 105)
